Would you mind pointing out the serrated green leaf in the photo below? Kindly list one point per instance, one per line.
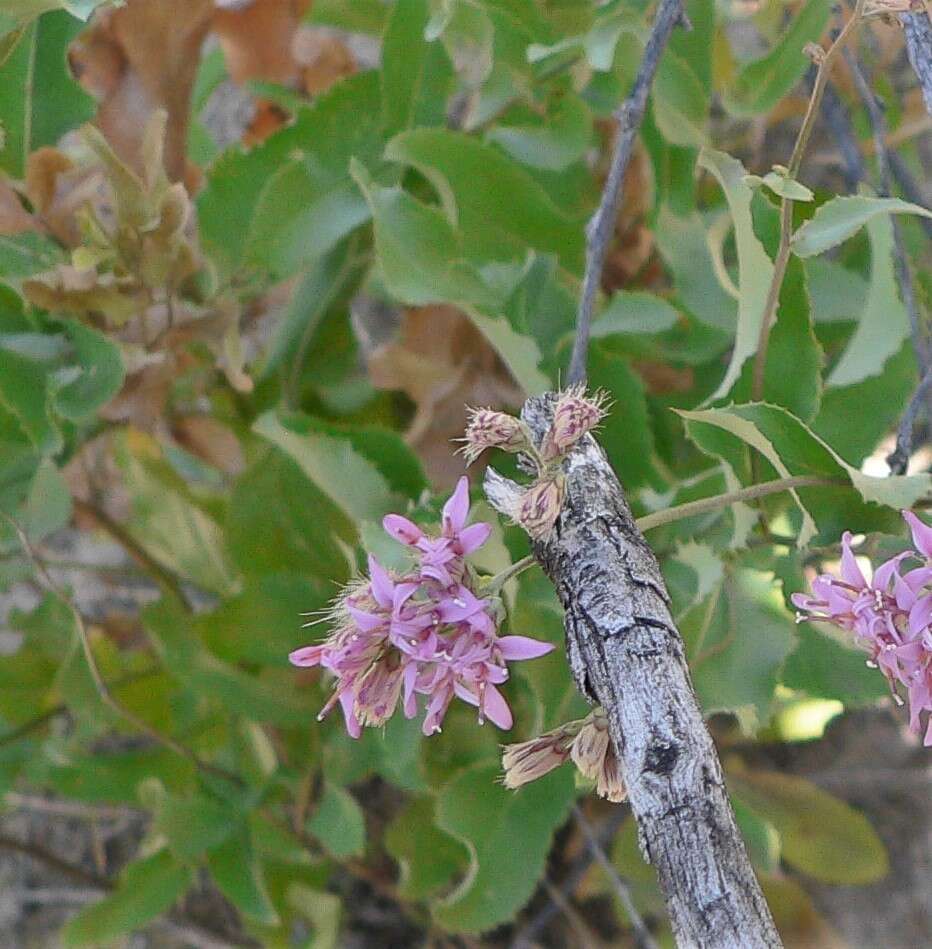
(760, 84)
(148, 887)
(786, 187)
(508, 835)
(820, 835)
(840, 218)
(793, 449)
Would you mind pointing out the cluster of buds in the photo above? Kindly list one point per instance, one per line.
(428, 632)
(586, 742)
(575, 414)
(890, 616)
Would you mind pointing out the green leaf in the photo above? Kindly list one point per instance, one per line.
(792, 449)
(23, 393)
(497, 207)
(268, 533)
(508, 835)
(364, 472)
(168, 521)
(681, 103)
(147, 888)
(39, 101)
(553, 142)
(416, 74)
(760, 84)
(429, 858)
(755, 269)
(338, 823)
(193, 824)
(737, 641)
(820, 835)
(238, 873)
(22, 255)
(94, 378)
(840, 218)
(239, 208)
(785, 187)
(636, 312)
(884, 323)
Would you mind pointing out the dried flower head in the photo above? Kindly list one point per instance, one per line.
(490, 429)
(538, 508)
(585, 741)
(574, 415)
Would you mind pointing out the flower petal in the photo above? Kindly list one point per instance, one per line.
(850, 571)
(496, 709)
(473, 537)
(380, 583)
(922, 533)
(456, 509)
(403, 530)
(306, 656)
(349, 716)
(514, 648)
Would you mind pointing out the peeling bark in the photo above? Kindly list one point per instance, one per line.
(918, 29)
(626, 654)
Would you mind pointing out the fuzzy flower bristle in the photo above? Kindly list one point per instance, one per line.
(575, 414)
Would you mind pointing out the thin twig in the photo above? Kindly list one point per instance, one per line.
(536, 925)
(629, 116)
(70, 870)
(824, 64)
(62, 808)
(164, 577)
(918, 30)
(910, 189)
(622, 890)
(100, 684)
(898, 459)
(718, 501)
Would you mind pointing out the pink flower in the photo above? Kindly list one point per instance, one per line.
(889, 617)
(490, 429)
(574, 415)
(429, 632)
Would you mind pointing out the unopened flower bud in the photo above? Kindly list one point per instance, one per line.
(815, 52)
(574, 415)
(490, 429)
(539, 507)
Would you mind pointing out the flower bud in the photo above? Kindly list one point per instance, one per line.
(573, 416)
(529, 760)
(490, 429)
(539, 507)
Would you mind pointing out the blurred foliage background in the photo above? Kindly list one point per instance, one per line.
(256, 257)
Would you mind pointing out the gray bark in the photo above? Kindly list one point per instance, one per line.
(626, 654)
(918, 30)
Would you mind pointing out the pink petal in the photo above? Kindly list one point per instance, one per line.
(887, 570)
(920, 614)
(403, 530)
(515, 648)
(922, 533)
(927, 742)
(456, 509)
(850, 571)
(459, 605)
(496, 709)
(306, 656)
(380, 583)
(352, 723)
(473, 537)
(367, 622)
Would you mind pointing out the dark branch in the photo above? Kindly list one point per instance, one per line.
(626, 654)
(898, 459)
(918, 30)
(629, 116)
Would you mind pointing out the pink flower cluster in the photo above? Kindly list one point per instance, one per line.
(889, 616)
(424, 633)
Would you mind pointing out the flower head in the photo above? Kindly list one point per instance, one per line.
(574, 415)
(538, 508)
(585, 741)
(889, 616)
(490, 429)
(428, 632)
